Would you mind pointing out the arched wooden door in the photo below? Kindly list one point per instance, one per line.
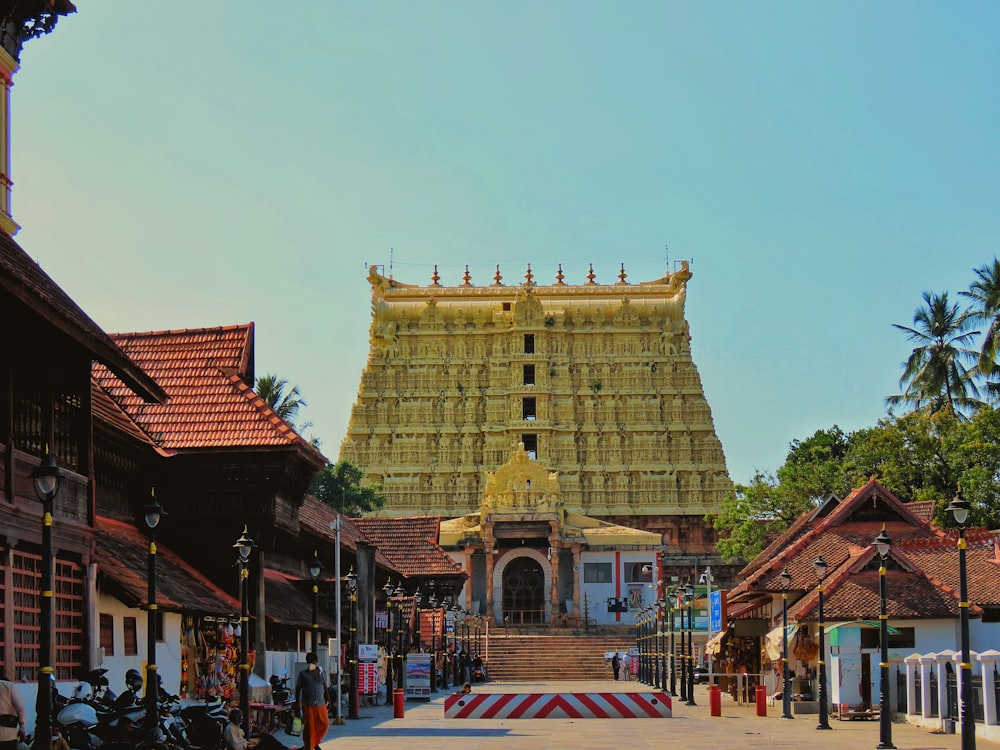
(524, 592)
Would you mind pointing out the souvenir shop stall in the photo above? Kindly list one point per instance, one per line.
(210, 658)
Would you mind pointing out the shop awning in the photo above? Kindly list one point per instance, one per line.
(738, 609)
(714, 644)
(773, 643)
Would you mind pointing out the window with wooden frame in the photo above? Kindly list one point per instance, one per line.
(131, 640)
(107, 628)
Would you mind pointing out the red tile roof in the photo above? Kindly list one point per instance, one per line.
(317, 517)
(288, 601)
(24, 280)
(122, 554)
(411, 545)
(843, 534)
(205, 372)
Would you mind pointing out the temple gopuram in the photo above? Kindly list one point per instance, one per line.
(595, 380)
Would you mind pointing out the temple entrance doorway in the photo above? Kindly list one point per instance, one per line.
(524, 592)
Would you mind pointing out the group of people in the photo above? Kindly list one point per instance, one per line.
(624, 665)
(310, 705)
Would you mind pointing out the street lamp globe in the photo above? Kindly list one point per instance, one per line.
(46, 478)
(959, 509)
(315, 566)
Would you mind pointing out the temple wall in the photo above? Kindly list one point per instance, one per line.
(597, 380)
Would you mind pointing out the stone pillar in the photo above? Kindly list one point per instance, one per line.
(577, 577)
(926, 664)
(912, 668)
(943, 658)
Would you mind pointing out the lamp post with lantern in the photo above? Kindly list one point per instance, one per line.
(959, 509)
(786, 688)
(433, 602)
(882, 545)
(399, 593)
(315, 568)
(689, 596)
(388, 589)
(819, 565)
(352, 654)
(243, 546)
(46, 478)
(152, 513)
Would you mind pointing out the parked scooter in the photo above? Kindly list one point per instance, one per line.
(206, 723)
(283, 697)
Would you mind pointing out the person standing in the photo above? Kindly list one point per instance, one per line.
(310, 697)
(12, 717)
(616, 665)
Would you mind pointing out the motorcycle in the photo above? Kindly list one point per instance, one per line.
(283, 697)
(478, 670)
(206, 723)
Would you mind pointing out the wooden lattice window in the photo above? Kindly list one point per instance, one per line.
(67, 615)
(3, 598)
(68, 606)
(25, 580)
(68, 424)
(28, 426)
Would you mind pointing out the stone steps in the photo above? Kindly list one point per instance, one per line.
(515, 658)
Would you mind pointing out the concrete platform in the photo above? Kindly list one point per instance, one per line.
(691, 728)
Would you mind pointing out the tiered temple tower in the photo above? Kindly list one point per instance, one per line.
(596, 380)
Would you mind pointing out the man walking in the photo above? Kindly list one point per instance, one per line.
(11, 716)
(310, 696)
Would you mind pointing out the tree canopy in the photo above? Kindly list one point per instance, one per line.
(341, 486)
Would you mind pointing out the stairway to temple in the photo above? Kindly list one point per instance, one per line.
(524, 658)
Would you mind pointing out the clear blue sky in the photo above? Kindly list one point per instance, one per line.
(190, 164)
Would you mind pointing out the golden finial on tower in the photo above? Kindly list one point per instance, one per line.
(529, 276)
(434, 276)
(591, 275)
(622, 275)
(497, 277)
(466, 277)
(560, 276)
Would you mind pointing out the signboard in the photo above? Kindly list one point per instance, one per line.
(715, 609)
(368, 678)
(418, 676)
(367, 652)
(381, 619)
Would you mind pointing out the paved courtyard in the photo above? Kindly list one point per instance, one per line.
(425, 728)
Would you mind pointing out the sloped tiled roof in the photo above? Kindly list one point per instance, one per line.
(410, 544)
(122, 554)
(24, 280)
(844, 535)
(107, 412)
(317, 517)
(289, 603)
(204, 372)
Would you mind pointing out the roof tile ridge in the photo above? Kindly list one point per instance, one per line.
(776, 545)
(178, 331)
(156, 444)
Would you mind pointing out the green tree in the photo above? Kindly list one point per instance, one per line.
(283, 399)
(936, 375)
(341, 486)
(984, 292)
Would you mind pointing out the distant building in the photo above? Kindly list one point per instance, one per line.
(595, 380)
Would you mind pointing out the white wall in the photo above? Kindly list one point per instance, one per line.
(168, 651)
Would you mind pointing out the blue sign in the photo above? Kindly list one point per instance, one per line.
(715, 611)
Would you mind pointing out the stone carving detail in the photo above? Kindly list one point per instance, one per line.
(617, 403)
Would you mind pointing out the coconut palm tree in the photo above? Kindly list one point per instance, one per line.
(285, 401)
(985, 295)
(939, 372)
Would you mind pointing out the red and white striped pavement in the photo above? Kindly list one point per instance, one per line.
(558, 706)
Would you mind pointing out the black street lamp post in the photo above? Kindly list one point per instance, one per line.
(352, 654)
(315, 568)
(689, 596)
(959, 508)
(662, 609)
(786, 688)
(243, 547)
(399, 593)
(673, 645)
(388, 645)
(46, 477)
(681, 653)
(433, 602)
(819, 565)
(417, 599)
(883, 544)
(153, 512)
